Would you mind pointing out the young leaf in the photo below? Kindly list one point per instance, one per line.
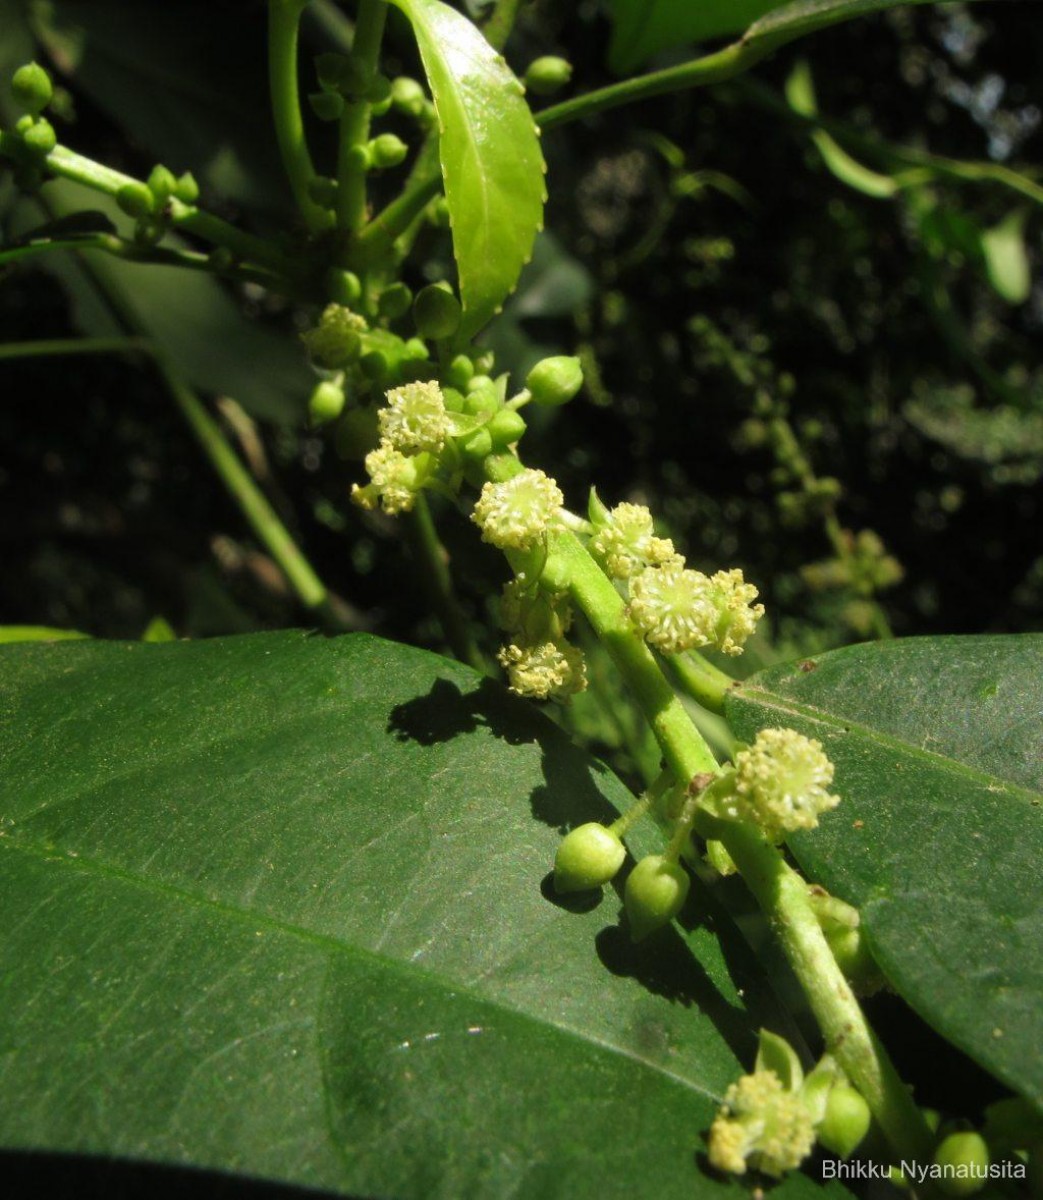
(492, 165)
(272, 906)
(938, 839)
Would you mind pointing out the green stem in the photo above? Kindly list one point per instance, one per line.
(621, 825)
(65, 164)
(431, 557)
(780, 891)
(683, 747)
(713, 68)
(354, 123)
(60, 347)
(498, 28)
(701, 680)
(783, 895)
(378, 237)
(252, 502)
(283, 22)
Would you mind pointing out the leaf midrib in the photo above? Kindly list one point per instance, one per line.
(330, 944)
(846, 725)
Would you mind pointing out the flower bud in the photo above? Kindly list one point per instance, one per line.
(387, 150)
(505, 428)
(337, 338)
(846, 1121)
(135, 200)
(408, 96)
(31, 87)
(964, 1162)
(436, 311)
(40, 137)
(394, 301)
(343, 287)
(162, 183)
(547, 75)
(588, 857)
(187, 189)
(325, 404)
(655, 893)
(554, 381)
(327, 106)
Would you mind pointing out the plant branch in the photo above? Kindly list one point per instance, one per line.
(65, 347)
(499, 25)
(354, 122)
(283, 22)
(701, 680)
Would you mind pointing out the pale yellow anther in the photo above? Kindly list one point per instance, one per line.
(761, 1125)
(415, 418)
(627, 544)
(394, 481)
(781, 783)
(548, 671)
(516, 514)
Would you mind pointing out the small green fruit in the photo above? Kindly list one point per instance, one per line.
(187, 190)
(588, 857)
(964, 1160)
(459, 372)
(478, 445)
(343, 287)
(31, 87)
(162, 183)
(326, 403)
(846, 1121)
(436, 311)
(547, 75)
(408, 96)
(387, 150)
(655, 893)
(554, 381)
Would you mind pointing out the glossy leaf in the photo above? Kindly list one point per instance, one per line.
(273, 906)
(938, 746)
(492, 165)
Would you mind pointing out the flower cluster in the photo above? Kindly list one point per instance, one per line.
(551, 670)
(517, 513)
(780, 783)
(413, 427)
(679, 609)
(626, 544)
(761, 1124)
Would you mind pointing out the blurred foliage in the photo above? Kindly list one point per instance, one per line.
(708, 260)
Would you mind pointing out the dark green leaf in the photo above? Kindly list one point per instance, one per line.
(938, 746)
(490, 154)
(273, 905)
(643, 28)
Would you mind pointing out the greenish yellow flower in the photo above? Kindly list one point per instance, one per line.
(415, 418)
(336, 340)
(395, 480)
(781, 783)
(673, 607)
(548, 671)
(627, 543)
(737, 615)
(516, 514)
(762, 1125)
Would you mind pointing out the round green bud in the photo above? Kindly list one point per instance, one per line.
(187, 190)
(480, 382)
(453, 399)
(323, 190)
(846, 1121)
(162, 183)
(327, 106)
(408, 96)
(387, 150)
(555, 381)
(394, 301)
(482, 400)
(24, 124)
(376, 366)
(378, 92)
(136, 200)
(343, 287)
(357, 433)
(588, 857)
(459, 372)
(436, 311)
(964, 1161)
(414, 352)
(655, 893)
(438, 213)
(31, 87)
(40, 138)
(501, 467)
(332, 70)
(856, 960)
(325, 404)
(478, 445)
(358, 159)
(547, 75)
(505, 428)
